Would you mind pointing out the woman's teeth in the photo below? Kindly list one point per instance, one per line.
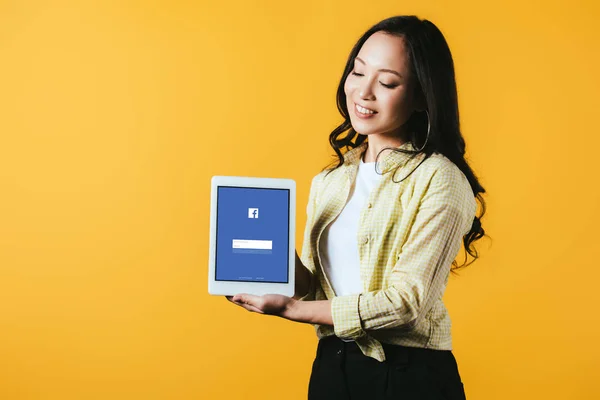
(363, 110)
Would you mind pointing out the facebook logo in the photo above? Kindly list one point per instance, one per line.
(253, 213)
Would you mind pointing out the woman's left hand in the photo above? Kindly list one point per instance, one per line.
(271, 304)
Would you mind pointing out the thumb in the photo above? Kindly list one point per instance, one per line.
(246, 299)
(240, 298)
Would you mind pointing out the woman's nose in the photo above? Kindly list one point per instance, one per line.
(365, 90)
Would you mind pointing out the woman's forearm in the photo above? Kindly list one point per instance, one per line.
(310, 312)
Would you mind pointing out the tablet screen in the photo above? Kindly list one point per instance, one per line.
(252, 242)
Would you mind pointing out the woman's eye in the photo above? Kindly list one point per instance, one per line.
(391, 86)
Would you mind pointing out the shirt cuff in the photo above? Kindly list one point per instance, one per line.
(346, 318)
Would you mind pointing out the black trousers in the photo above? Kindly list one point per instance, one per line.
(342, 371)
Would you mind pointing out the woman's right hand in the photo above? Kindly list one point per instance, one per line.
(303, 277)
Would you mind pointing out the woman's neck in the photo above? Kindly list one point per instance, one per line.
(376, 143)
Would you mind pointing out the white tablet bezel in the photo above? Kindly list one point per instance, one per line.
(229, 288)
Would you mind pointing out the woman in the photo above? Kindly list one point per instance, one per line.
(385, 224)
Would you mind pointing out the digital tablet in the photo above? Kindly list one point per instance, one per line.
(252, 236)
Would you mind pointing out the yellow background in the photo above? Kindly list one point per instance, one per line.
(115, 115)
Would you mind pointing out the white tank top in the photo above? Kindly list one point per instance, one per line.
(338, 248)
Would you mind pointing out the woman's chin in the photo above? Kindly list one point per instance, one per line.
(364, 131)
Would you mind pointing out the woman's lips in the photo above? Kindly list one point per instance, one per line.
(361, 115)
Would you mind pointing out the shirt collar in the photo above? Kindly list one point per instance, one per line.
(388, 160)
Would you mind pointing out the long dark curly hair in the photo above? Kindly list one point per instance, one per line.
(432, 65)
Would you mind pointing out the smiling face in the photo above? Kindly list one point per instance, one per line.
(380, 90)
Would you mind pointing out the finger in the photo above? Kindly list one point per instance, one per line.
(248, 299)
(238, 302)
(252, 308)
(250, 302)
(230, 298)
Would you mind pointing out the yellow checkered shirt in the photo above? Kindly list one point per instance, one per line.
(408, 235)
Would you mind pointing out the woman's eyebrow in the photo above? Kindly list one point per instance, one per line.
(382, 69)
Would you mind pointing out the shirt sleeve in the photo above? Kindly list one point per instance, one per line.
(306, 256)
(444, 216)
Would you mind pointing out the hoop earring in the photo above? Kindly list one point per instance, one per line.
(427, 137)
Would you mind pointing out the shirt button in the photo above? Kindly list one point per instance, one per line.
(369, 205)
(339, 352)
(366, 240)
